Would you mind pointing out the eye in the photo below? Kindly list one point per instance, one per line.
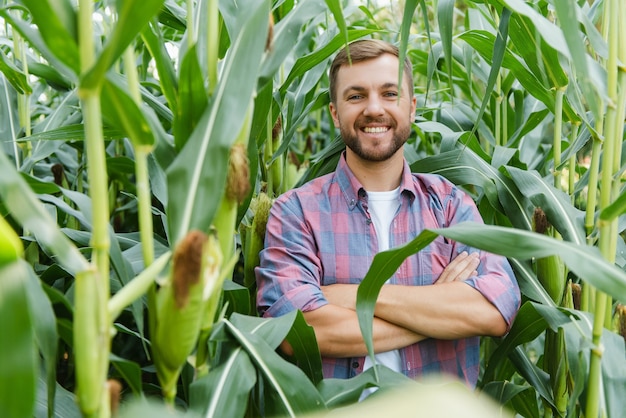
(391, 93)
(354, 97)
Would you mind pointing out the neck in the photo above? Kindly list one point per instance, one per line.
(377, 176)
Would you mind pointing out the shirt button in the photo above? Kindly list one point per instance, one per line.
(355, 364)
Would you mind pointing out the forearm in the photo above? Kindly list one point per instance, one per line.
(446, 311)
(338, 333)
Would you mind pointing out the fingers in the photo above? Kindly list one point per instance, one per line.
(460, 268)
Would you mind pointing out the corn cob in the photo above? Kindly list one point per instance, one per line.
(550, 270)
(11, 247)
(255, 236)
(180, 305)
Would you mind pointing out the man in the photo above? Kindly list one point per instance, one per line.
(322, 237)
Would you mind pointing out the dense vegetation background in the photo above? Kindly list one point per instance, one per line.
(142, 142)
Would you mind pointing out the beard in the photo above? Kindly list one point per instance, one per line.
(378, 152)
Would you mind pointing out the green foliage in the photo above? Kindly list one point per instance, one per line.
(511, 96)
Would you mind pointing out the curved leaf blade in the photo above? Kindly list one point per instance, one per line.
(133, 15)
(28, 211)
(197, 176)
(18, 351)
(295, 392)
(555, 203)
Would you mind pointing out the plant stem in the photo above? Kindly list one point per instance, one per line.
(558, 131)
(136, 288)
(191, 30)
(607, 229)
(213, 43)
(498, 108)
(144, 196)
(98, 296)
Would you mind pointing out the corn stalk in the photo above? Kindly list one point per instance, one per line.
(92, 287)
(609, 187)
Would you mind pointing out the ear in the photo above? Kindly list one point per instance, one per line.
(333, 113)
(413, 108)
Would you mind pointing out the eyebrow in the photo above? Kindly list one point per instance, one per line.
(360, 89)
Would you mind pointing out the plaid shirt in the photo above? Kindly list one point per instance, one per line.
(321, 234)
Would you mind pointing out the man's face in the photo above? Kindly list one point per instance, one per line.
(374, 124)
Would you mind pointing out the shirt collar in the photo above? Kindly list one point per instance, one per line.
(353, 190)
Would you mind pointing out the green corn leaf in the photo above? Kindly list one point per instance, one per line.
(18, 353)
(192, 97)
(284, 40)
(197, 176)
(305, 63)
(294, 393)
(27, 210)
(529, 284)
(295, 330)
(499, 49)
(523, 397)
(123, 114)
(35, 39)
(155, 43)
(14, 75)
(45, 328)
(9, 120)
(531, 320)
(343, 392)
(306, 353)
(583, 260)
(56, 21)
(237, 297)
(224, 392)
(555, 203)
(129, 371)
(465, 167)
(537, 378)
(405, 28)
(541, 58)
(593, 90)
(445, 18)
(133, 15)
(482, 42)
(615, 209)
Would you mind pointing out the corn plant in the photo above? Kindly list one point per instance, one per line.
(142, 143)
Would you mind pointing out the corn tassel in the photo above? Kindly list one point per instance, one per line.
(180, 304)
(11, 248)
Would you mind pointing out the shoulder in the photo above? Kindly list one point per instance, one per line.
(301, 197)
(433, 184)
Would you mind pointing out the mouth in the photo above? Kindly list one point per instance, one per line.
(375, 129)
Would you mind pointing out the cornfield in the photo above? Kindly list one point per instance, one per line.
(143, 141)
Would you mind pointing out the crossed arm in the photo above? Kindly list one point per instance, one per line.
(449, 309)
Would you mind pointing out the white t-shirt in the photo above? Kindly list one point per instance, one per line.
(382, 208)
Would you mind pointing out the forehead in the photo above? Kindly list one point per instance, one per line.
(371, 73)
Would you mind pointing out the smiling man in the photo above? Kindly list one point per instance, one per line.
(321, 239)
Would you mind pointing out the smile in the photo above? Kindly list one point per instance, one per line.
(375, 129)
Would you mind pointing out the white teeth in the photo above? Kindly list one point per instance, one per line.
(375, 130)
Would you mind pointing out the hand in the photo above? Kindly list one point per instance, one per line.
(461, 268)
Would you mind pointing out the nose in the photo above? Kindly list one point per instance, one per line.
(374, 106)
